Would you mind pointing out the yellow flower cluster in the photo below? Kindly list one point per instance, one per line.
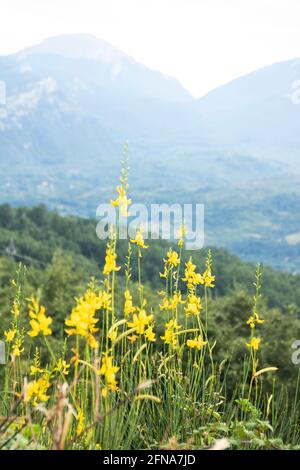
(191, 277)
(128, 305)
(254, 320)
(36, 391)
(149, 334)
(254, 343)
(140, 321)
(82, 318)
(196, 343)
(10, 334)
(110, 261)
(170, 337)
(17, 348)
(139, 240)
(171, 304)
(80, 418)
(16, 308)
(108, 370)
(35, 369)
(172, 259)
(193, 306)
(39, 321)
(181, 235)
(122, 201)
(62, 367)
(207, 278)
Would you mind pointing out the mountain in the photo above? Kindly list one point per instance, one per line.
(113, 68)
(257, 113)
(72, 102)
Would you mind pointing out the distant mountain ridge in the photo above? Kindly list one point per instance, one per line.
(257, 112)
(81, 45)
(88, 47)
(73, 100)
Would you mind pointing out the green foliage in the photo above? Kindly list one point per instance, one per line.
(63, 253)
(37, 234)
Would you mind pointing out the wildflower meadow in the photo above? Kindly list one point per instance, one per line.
(122, 374)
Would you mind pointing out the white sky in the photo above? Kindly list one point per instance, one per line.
(204, 43)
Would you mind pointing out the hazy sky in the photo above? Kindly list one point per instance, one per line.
(204, 43)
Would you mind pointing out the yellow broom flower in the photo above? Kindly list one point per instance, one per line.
(122, 201)
(110, 261)
(62, 367)
(193, 306)
(80, 422)
(172, 259)
(170, 337)
(132, 339)
(149, 334)
(254, 320)
(207, 278)
(39, 321)
(139, 240)
(191, 277)
(181, 235)
(171, 304)
(82, 318)
(34, 370)
(254, 343)
(17, 348)
(9, 335)
(108, 370)
(128, 306)
(140, 321)
(37, 391)
(196, 343)
(15, 309)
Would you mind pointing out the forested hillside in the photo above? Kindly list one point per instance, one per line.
(37, 234)
(63, 253)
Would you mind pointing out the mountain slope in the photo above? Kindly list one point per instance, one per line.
(256, 113)
(76, 109)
